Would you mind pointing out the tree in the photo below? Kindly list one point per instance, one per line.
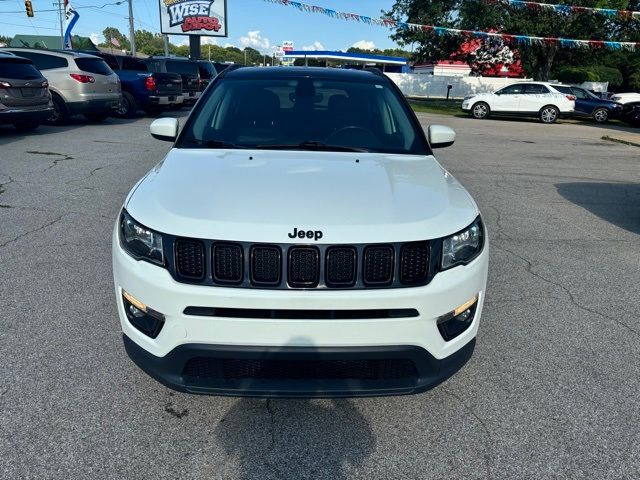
(5, 40)
(537, 59)
(112, 32)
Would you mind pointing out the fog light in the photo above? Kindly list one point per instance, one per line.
(143, 318)
(454, 323)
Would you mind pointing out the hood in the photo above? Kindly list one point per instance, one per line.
(261, 196)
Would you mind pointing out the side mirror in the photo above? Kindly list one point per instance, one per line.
(440, 136)
(165, 129)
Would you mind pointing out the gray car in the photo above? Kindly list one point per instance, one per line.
(25, 100)
(79, 83)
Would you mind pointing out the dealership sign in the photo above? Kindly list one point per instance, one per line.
(194, 17)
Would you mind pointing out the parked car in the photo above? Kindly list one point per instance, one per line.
(25, 100)
(631, 113)
(589, 105)
(300, 239)
(150, 91)
(79, 83)
(525, 99)
(192, 84)
(207, 71)
(626, 97)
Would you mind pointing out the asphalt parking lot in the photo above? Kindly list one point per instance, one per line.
(551, 392)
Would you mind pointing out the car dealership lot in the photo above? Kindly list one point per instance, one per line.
(551, 390)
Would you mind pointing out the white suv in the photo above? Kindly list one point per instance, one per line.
(530, 99)
(300, 240)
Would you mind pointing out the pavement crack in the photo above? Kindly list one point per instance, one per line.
(489, 453)
(171, 409)
(42, 227)
(61, 157)
(3, 185)
(91, 174)
(572, 298)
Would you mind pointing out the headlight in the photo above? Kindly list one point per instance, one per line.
(467, 98)
(464, 246)
(139, 241)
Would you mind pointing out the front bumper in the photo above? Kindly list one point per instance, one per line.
(184, 336)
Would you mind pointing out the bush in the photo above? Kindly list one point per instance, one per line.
(634, 81)
(578, 75)
(611, 75)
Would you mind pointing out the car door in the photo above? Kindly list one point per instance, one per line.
(585, 103)
(534, 98)
(507, 99)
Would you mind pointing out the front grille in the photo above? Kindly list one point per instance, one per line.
(265, 265)
(227, 263)
(286, 266)
(304, 267)
(414, 265)
(190, 259)
(378, 265)
(341, 266)
(243, 369)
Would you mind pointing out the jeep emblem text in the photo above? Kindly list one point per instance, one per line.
(310, 234)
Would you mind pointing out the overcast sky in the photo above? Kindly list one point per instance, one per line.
(254, 23)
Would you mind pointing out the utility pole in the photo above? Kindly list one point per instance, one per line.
(165, 37)
(245, 56)
(132, 32)
(60, 6)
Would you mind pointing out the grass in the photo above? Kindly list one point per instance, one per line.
(441, 106)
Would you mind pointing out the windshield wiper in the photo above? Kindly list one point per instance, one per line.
(213, 143)
(316, 146)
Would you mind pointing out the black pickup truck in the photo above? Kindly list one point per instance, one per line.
(192, 84)
(142, 87)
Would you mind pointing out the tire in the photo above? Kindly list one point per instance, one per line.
(601, 115)
(549, 114)
(60, 114)
(26, 126)
(127, 107)
(96, 117)
(480, 110)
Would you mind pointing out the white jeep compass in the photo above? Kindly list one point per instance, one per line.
(300, 240)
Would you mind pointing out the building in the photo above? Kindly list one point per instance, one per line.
(51, 42)
(346, 59)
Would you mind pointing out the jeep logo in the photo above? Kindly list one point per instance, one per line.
(310, 234)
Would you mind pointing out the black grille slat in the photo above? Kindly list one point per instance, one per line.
(378, 265)
(243, 369)
(341, 266)
(304, 267)
(266, 265)
(414, 263)
(189, 259)
(228, 263)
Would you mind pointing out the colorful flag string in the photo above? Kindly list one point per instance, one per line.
(442, 31)
(565, 9)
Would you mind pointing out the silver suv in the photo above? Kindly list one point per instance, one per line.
(79, 83)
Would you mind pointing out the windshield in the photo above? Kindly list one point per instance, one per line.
(303, 114)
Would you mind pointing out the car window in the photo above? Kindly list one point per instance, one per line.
(43, 61)
(580, 93)
(111, 60)
(182, 67)
(563, 89)
(511, 90)
(535, 88)
(20, 70)
(154, 66)
(294, 111)
(94, 65)
(207, 70)
(133, 64)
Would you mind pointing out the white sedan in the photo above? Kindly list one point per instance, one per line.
(530, 99)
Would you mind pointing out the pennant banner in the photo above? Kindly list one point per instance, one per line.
(565, 9)
(440, 31)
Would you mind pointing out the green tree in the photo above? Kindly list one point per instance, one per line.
(538, 60)
(5, 40)
(112, 32)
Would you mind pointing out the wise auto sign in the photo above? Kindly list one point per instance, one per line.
(194, 17)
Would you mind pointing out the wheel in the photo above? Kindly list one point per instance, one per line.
(26, 126)
(127, 108)
(601, 115)
(549, 114)
(480, 110)
(60, 114)
(96, 117)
